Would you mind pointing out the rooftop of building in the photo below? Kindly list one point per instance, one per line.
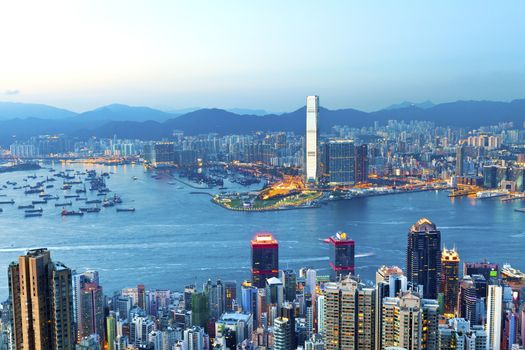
(449, 255)
(423, 225)
(264, 239)
(234, 317)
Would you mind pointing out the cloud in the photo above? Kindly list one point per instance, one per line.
(12, 92)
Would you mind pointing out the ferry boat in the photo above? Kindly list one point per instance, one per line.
(490, 194)
(71, 213)
(514, 277)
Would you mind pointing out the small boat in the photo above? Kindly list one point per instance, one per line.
(29, 206)
(39, 210)
(8, 202)
(135, 178)
(107, 204)
(32, 215)
(81, 199)
(50, 186)
(40, 201)
(71, 213)
(90, 210)
(63, 204)
(125, 209)
(66, 187)
(33, 191)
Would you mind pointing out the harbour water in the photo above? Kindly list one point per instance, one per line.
(175, 238)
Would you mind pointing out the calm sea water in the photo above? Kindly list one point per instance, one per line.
(175, 237)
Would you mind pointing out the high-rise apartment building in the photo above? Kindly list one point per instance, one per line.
(312, 135)
(390, 281)
(424, 257)
(348, 315)
(42, 302)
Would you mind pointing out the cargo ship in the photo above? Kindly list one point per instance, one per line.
(90, 210)
(125, 209)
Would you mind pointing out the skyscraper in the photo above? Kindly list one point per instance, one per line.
(265, 258)
(111, 330)
(460, 159)
(424, 257)
(289, 279)
(341, 162)
(282, 334)
(342, 255)
(450, 279)
(91, 311)
(494, 316)
(361, 163)
(312, 133)
(42, 302)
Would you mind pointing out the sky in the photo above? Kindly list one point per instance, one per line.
(260, 54)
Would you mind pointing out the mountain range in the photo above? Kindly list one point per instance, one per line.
(20, 121)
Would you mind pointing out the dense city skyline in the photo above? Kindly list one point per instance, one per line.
(248, 175)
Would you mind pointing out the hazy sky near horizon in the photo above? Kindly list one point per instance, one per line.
(260, 54)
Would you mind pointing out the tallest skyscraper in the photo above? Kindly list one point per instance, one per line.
(312, 116)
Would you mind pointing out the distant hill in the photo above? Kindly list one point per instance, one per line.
(12, 110)
(148, 124)
(406, 104)
(120, 112)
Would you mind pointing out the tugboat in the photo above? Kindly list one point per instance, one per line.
(71, 213)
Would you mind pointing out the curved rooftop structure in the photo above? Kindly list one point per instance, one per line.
(423, 225)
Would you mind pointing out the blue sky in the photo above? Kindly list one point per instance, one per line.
(260, 54)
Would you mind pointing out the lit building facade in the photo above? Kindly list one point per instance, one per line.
(265, 258)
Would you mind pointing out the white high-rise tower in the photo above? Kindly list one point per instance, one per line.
(494, 315)
(312, 116)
